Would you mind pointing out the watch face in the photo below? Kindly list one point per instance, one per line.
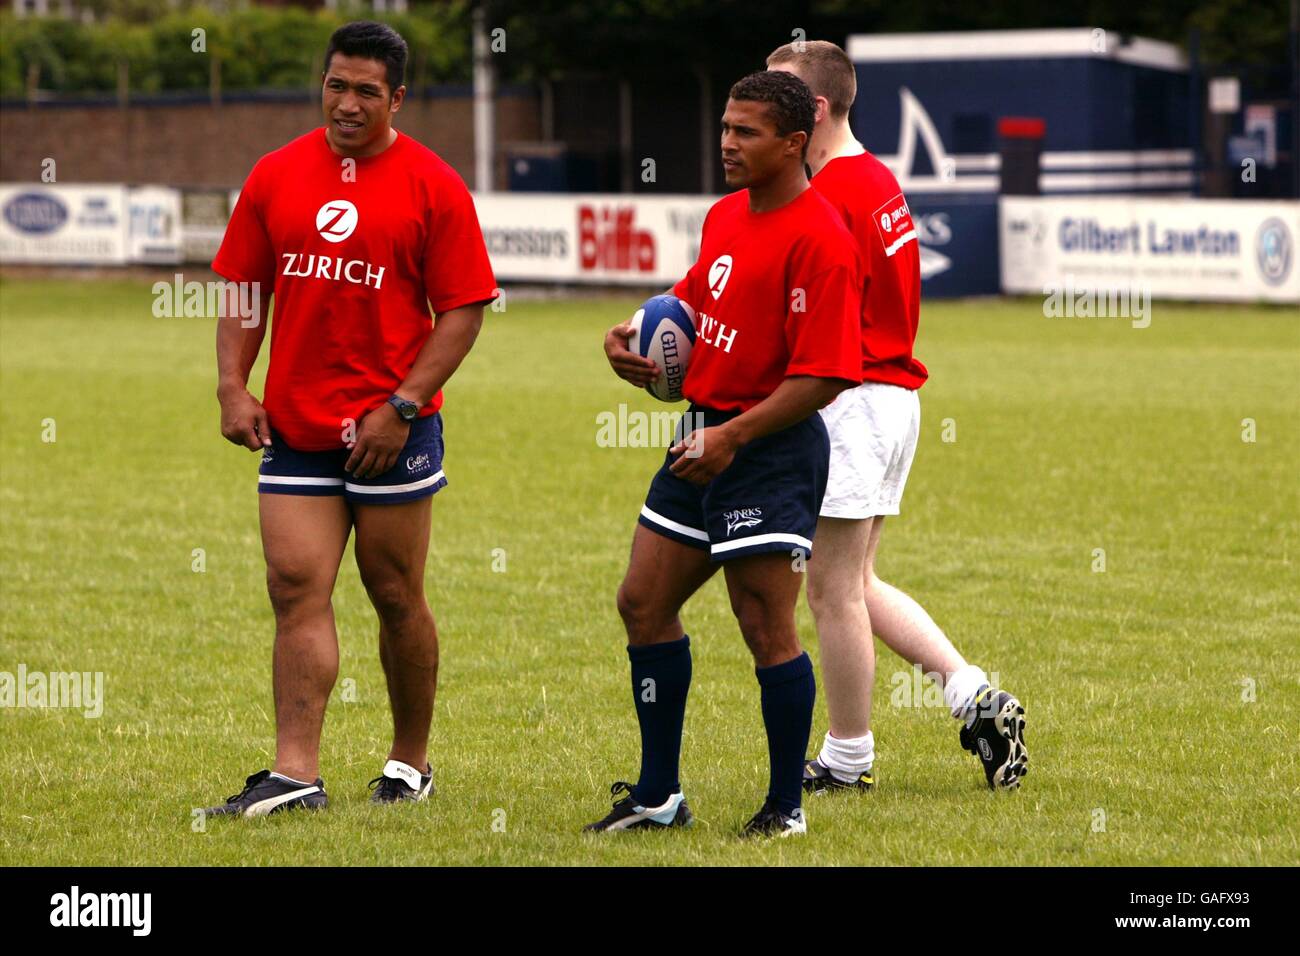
(410, 412)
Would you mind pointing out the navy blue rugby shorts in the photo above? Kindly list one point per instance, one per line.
(766, 500)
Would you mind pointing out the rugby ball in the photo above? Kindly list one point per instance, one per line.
(663, 330)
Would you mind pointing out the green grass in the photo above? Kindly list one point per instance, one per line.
(1072, 434)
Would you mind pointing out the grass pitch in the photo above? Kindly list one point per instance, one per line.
(1162, 700)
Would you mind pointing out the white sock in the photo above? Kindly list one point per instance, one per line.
(961, 689)
(848, 759)
(301, 783)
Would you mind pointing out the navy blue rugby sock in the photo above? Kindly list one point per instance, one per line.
(788, 691)
(661, 676)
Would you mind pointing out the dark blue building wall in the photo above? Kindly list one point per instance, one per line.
(1088, 103)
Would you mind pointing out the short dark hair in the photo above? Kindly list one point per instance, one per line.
(373, 41)
(828, 69)
(788, 98)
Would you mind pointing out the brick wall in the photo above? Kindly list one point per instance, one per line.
(203, 145)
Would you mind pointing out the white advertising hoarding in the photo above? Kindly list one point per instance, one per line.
(1213, 249)
(70, 225)
(154, 231)
(205, 211)
(554, 238)
(636, 240)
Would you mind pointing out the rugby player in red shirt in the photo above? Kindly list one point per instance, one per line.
(358, 231)
(775, 293)
(873, 432)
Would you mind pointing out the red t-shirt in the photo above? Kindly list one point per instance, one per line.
(356, 257)
(869, 198)
(775, 294)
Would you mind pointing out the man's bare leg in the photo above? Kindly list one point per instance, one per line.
(994, 720)
(848, 653)
(391, 549)
(849, 603)
(911, 633)
(661, 577)
(303, 538)
(835, 595)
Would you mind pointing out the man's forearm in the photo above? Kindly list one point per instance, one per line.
(237, 347)
(452, 337)
(794, 400)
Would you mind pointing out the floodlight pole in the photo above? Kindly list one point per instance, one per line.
(484, 120)
(708, 131)
(1294, 46)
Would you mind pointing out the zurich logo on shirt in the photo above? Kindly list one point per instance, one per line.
(336, 220)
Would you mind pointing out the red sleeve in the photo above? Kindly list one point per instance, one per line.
(825, 335)
(456, 267)
(862, 236)
(246, 254)
(685, 286)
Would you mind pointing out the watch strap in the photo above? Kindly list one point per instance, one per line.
(406, 408)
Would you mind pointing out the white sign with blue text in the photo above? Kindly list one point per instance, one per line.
(1212, 249)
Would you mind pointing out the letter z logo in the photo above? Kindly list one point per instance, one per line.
(336, 220)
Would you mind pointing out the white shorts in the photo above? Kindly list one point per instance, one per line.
(873, 431)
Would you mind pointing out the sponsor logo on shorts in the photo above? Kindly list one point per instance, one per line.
(743, 518)
(420, 462)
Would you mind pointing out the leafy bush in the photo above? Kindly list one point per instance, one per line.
(258, 47)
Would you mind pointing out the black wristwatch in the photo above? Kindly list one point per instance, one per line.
(407, 409)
